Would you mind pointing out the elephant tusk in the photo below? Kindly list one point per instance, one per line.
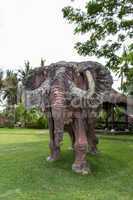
(91, 84)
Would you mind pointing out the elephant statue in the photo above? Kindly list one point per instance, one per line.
(70, 93)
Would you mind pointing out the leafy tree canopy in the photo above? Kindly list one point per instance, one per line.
(108, 25)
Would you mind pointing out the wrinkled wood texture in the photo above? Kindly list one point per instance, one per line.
(70, 93)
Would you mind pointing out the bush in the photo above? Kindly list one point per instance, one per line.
(42, 122)
(20, 117)
(20, 114)
(10, 120)
(35, 119)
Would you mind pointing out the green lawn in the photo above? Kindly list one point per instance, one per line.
(26, 175)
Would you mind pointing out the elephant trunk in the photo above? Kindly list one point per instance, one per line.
(57, 102)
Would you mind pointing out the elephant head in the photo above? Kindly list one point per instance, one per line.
(88, 81)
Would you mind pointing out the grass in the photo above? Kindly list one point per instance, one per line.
(26, 175)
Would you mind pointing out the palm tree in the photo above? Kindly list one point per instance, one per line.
(10, 85)
(23, 73)
(1, 79)
(1, 84)
(43, 62)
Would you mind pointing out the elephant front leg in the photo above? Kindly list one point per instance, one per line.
(81, 147)
(56, 134)
(51, 157)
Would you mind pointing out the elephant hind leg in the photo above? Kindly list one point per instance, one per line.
(58, 130)
(69, 128)
(91, 136)
(81, 148)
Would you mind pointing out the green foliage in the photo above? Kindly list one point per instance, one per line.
(23, 73)
(10, 84)
(20, 114)
(20, 117)
(33, 118)
(127, 59)
(119, 114)
(10, 117)
(102, 116)
(42, 122)
(1, 79)
(10, 121)
(101, 119)
(109, 28)
(15, 112)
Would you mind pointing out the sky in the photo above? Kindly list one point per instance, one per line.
(35, 29)
(31, 29)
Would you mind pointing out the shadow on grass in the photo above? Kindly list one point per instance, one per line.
(102, 165)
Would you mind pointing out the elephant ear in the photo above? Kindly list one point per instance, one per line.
(99, 81)
(35, 78)
(34, 86)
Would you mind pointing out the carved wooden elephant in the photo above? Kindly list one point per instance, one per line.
(71, 94)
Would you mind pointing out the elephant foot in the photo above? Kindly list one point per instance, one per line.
(93, 152)
(81, 169)
(54, 154)
(52, 158)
